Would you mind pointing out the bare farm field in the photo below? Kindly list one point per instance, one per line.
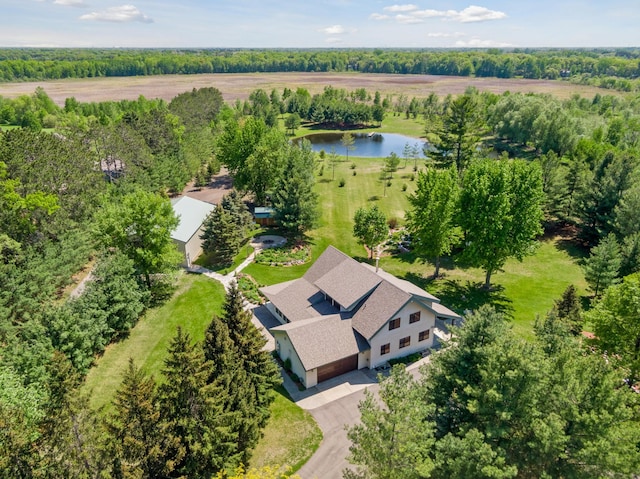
(238, 86)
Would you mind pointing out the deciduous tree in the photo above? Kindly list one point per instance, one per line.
(370, 227)
(500, 212)
(430, 220)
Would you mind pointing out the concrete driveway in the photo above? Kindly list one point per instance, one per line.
(334, 405)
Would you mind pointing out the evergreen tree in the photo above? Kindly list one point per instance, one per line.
(193, 412)
(569, 310)
(603, 265)
(232, 202)
(391, 441)
(295, 203)
(262, 374)
(140, 446)
(221, 235)
(72, 441)
(458, 133)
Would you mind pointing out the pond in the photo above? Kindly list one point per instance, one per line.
(370, 145)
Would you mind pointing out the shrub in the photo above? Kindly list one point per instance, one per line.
(249, 289)
(354, 172)
(353, 166)
(412, 177)
(342, 182)
(404, 187)
(287, 255)
(321, 171)
(392, 223)
(287, 364)
(388, 182)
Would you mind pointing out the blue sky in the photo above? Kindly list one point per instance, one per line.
(319, 23)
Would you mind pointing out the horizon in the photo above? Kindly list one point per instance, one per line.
(325, 25)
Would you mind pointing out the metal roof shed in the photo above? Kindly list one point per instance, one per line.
(192, 213)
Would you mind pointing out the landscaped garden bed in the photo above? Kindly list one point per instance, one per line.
(299, 253)
(249, 288)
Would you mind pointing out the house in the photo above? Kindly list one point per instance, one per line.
(344, 315)
(264, 215)
(192, 213)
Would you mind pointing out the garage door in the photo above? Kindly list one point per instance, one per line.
(337, 368)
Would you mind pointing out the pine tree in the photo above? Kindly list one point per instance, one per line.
(141, 446)
(569, 310)
(72, 440)
(192, 408)
(262, 374)
(295, 203)
(603, 265)
(232, 202)
(221, 236)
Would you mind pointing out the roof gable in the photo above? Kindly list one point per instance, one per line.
(348, 282)
(322, 340)
(191, 214)
(384, 302)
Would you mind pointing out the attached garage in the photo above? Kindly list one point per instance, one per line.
(337, 368)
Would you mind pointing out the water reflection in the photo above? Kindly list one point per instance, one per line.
(370, 145)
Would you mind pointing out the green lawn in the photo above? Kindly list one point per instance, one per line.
(280, 446)
(197, 299)
(523, 290)
(193, 305)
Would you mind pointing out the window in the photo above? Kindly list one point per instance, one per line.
(394, 324)
(414, 317)
(385, 348)
(404, 342)
(423, 335)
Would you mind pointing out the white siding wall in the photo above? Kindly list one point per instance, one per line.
(193, 247)
(364, 358)
(384, 336)
(286, 350)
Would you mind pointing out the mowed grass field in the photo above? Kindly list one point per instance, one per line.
(193, 305)
(523, 290)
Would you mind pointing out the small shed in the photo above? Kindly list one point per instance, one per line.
(192, 213)
(264, 215)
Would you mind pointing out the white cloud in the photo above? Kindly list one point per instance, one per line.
(333, 30)
(477, 43)
(407, 19)
(411, 14)
(473, 13)
(445, 35)
(401, 8)
(124, 13)
(70, 3)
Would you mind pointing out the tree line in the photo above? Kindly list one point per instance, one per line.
(94, 194)
(204, 417)
(614, 68)
(491, 405)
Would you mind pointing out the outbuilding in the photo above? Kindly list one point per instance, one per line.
(192, 214)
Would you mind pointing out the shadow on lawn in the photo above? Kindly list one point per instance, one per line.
(461, 296)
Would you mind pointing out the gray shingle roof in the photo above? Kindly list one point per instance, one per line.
(329, 259)
(191, 213)
(298, 299)
(385, 301)
(348, 282)
(443, 311)
(404, 285)
(322, 340)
